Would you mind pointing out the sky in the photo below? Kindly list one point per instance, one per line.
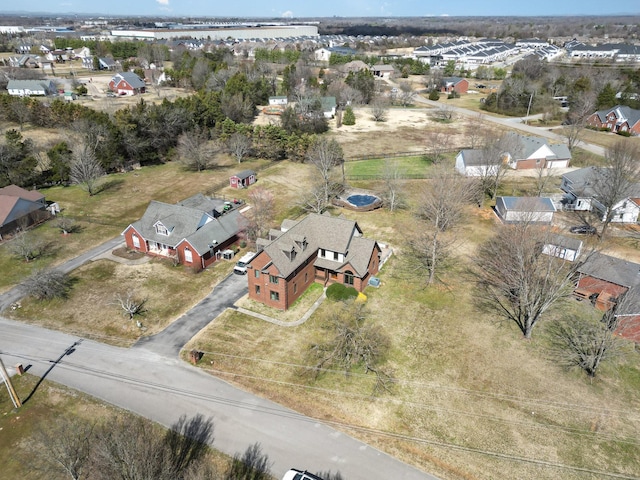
(329, 8)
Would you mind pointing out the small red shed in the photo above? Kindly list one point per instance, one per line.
(243, 179)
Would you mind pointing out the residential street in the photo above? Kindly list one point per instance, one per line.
(162, 388)
(150, 380)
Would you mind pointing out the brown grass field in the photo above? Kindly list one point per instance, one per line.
(472, 400)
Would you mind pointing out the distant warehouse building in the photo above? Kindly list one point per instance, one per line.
(241, 33)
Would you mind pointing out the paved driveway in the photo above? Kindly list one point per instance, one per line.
(169, 341)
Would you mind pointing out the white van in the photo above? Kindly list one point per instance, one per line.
(241, 266)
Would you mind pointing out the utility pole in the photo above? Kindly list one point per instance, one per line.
(7, 381)
(526, 119)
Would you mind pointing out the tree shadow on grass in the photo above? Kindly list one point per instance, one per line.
(111, 184)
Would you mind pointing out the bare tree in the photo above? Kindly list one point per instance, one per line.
(352, 342)
(261, 214)
(441, 208)
(20, 110)
(130, 304)
(494, 156)
(618, 181)
(47, 284)
(197, 152)
(443, 114)
(518, 282)
(406, 95)
(585, 343)
(239, 145)
(315, 200)
(66, 225)
(379, 110)
(543, 178)
(130, 448)
(86, 170)
(476, 131)
(252, 465)
(582, 107)
(64, 447)
(438, 144)
(27, 246)
(326, 154)
(392, 193)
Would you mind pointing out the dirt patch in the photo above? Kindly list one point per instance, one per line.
(127, 254)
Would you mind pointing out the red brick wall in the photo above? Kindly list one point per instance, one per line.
(530, 163)
(597, 285)
(128, 238)
(266, 287)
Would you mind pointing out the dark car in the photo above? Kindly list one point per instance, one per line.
(583, 230)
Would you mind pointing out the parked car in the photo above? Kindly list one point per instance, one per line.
(241, 266)
(583, 230)
(295, 474)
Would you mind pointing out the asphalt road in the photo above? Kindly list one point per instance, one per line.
(162, 388)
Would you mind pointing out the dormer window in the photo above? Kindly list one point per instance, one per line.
(161, 229)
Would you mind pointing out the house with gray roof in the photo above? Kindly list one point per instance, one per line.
(127, 83)
(318, 248)
(525, 209)
(617, 119)
(193, 232)
(604, 278)
(28, 88)
(536, 152)
(473, 163)
(581, 189)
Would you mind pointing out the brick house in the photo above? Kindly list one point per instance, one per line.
(127, 83)
(318, 248)
(193, 232)
(20, 208)
(617, 119)
(536, 152)
(454, 84)
(606, 281)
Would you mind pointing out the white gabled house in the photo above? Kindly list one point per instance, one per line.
(525, 209)
(471, 163)
(581, 195)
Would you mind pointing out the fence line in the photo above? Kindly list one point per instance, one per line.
(380, 176)
(355, 158)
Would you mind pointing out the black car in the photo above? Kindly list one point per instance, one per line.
(583, 230)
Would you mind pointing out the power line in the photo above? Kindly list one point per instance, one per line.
(282, 412)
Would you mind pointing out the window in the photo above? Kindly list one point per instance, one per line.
(323, 252)
(348, 277)
(136, 241)
(187, 255)
(273, 279)
(275, 296)
(257, 289)
(295, 288)
(335, 256)
(161, 229)
(256, 272)
(306, 277)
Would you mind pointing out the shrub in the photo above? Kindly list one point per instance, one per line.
(453, 94)
(626, 133)
(349, 118)
(434, 95)
(340, 292)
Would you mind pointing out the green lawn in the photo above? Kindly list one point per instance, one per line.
(377, 167)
